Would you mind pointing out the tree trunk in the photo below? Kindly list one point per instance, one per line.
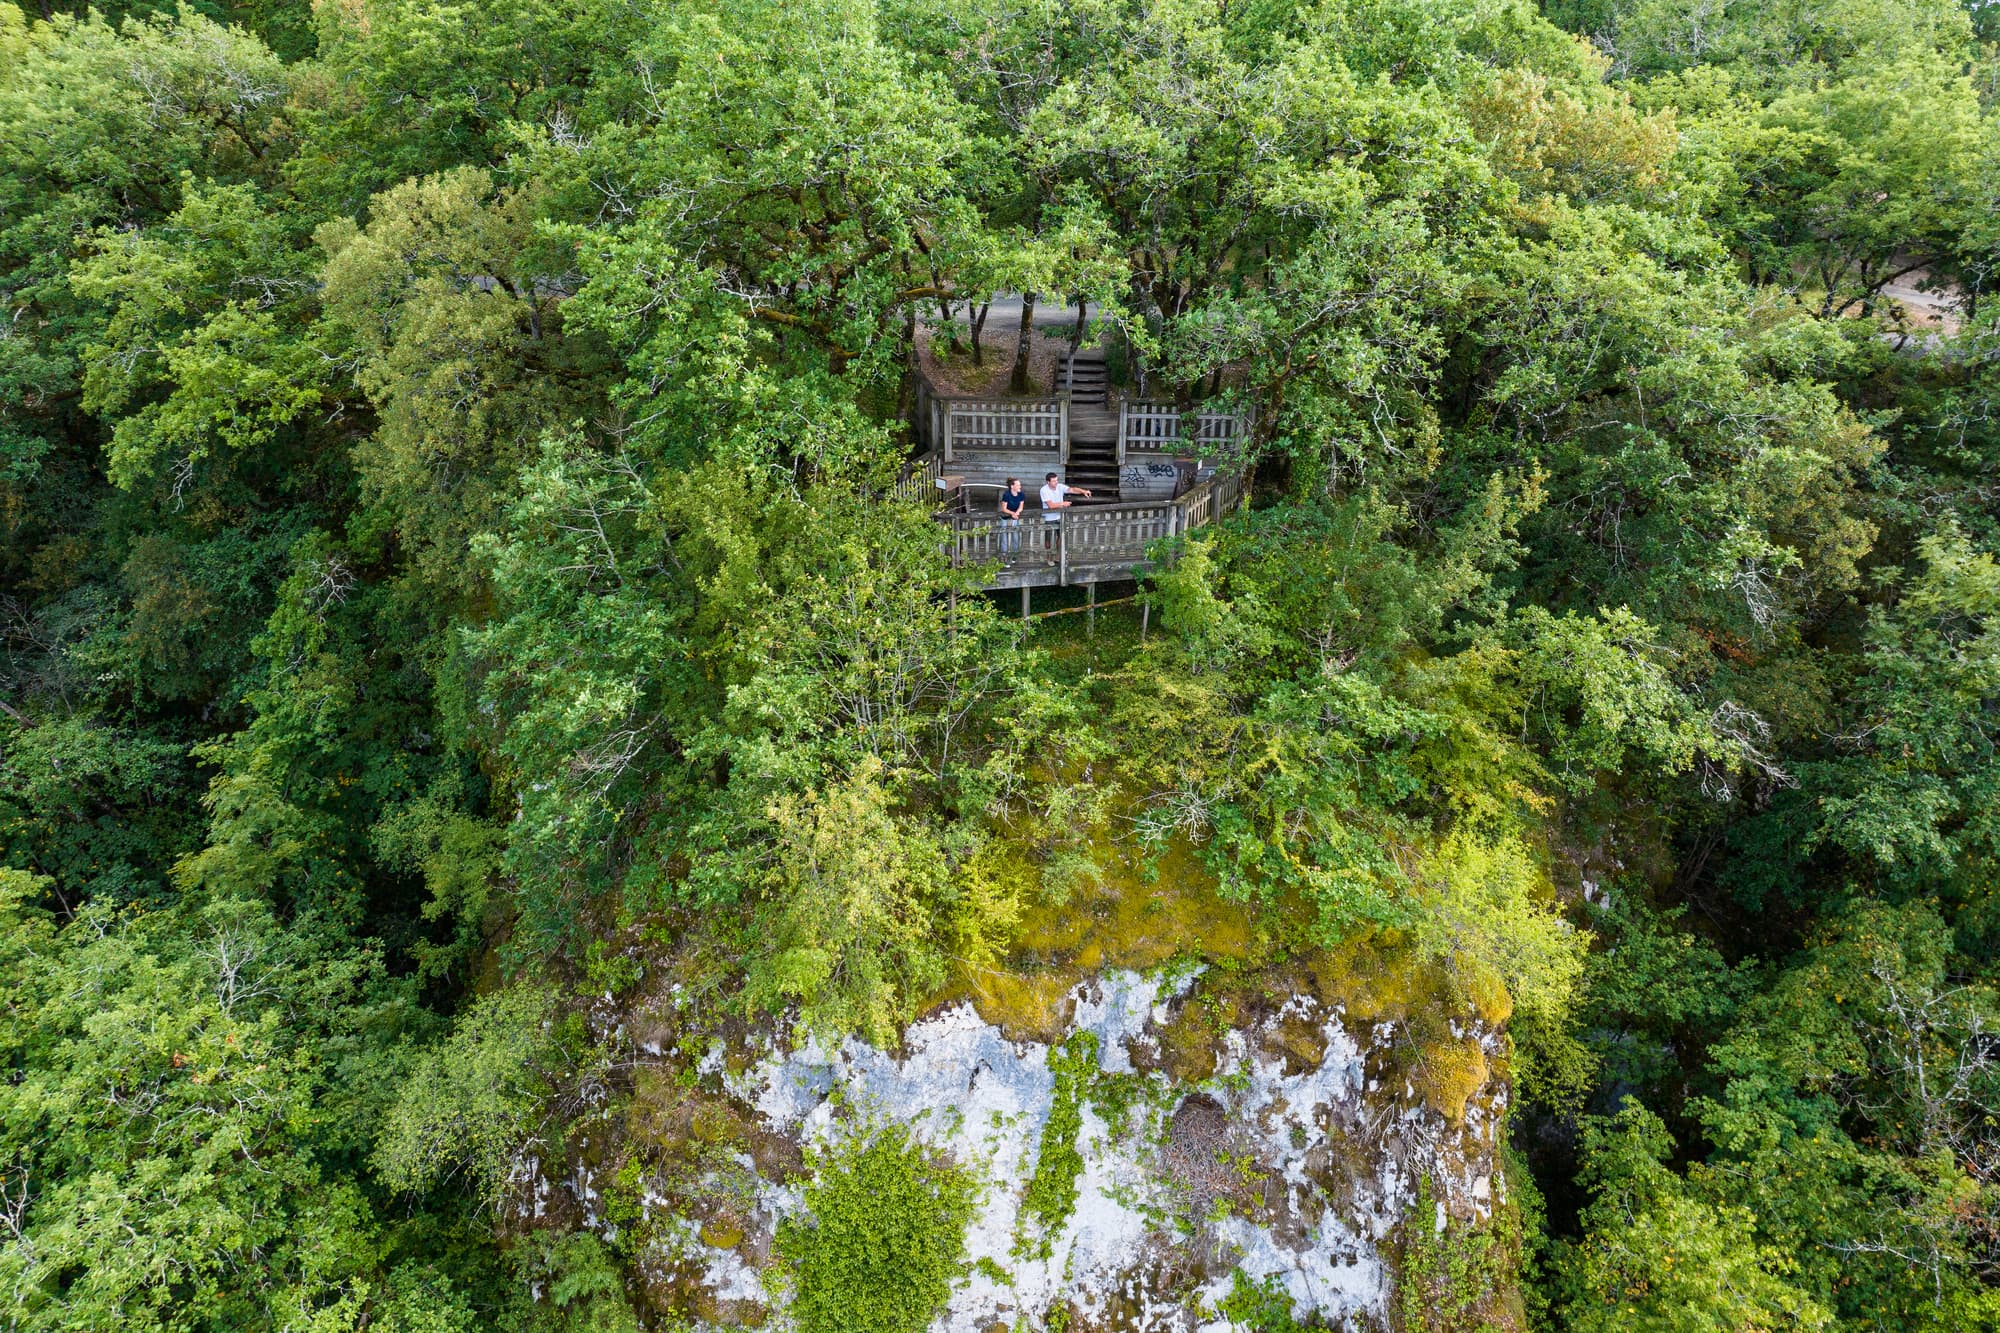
(945, 310)
(1076, 334)
(979, 327)
(906, 392)
(1018, 381)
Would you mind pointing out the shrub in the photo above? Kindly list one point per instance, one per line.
(881, 1241)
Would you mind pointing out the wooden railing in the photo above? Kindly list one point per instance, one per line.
(995, 423)
(920, 478)
(1209, 501)
(1161, 427)
(948, 424)
(1096, 535)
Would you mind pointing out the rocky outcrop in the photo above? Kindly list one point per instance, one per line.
(1280, 1146)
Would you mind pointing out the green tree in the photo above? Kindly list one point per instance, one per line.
(1656, 1255)
(188, 1090)
(1909, 794)
(103, 128)
(1855, 1118)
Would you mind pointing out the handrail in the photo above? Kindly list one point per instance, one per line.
(1097, 533)
(948, 422)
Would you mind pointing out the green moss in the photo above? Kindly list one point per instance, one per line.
(1377, 977)
(881, 1241)
(1448, 1073)
(1051, 1194)
(721, 1233)
(1301, 1041)
(1138, 912)
(712, 1123)
(1026, 1005)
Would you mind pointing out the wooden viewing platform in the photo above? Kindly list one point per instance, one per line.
(1085, 545)
(1151, 466)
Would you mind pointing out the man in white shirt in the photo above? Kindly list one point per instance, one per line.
(1055, 497)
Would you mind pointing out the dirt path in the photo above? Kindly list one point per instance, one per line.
(957, 375)
(1921, 309)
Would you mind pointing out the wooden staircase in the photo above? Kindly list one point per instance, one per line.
(1085, 378)
(1093, 426)
(1094, 466)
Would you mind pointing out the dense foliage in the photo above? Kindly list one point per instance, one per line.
(444, 465)
(881, 1238)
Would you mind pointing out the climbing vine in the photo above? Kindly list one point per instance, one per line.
(1051, 1194)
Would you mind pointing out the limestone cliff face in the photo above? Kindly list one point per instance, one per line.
(1266, 1133)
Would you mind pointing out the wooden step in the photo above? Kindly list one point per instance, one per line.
(1086, 379)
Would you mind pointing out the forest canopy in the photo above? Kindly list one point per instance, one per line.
(447, 461)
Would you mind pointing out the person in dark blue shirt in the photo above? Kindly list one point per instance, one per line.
(1012, 501)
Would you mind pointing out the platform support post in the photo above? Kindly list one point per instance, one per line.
(1091, 615)
(1024, 603)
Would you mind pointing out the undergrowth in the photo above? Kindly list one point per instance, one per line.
(1262, 1306)
(1451, 1278)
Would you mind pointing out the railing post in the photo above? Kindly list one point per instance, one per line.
(1062, 550)
(947, 433)
(1062, 414)
(1121, 434)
